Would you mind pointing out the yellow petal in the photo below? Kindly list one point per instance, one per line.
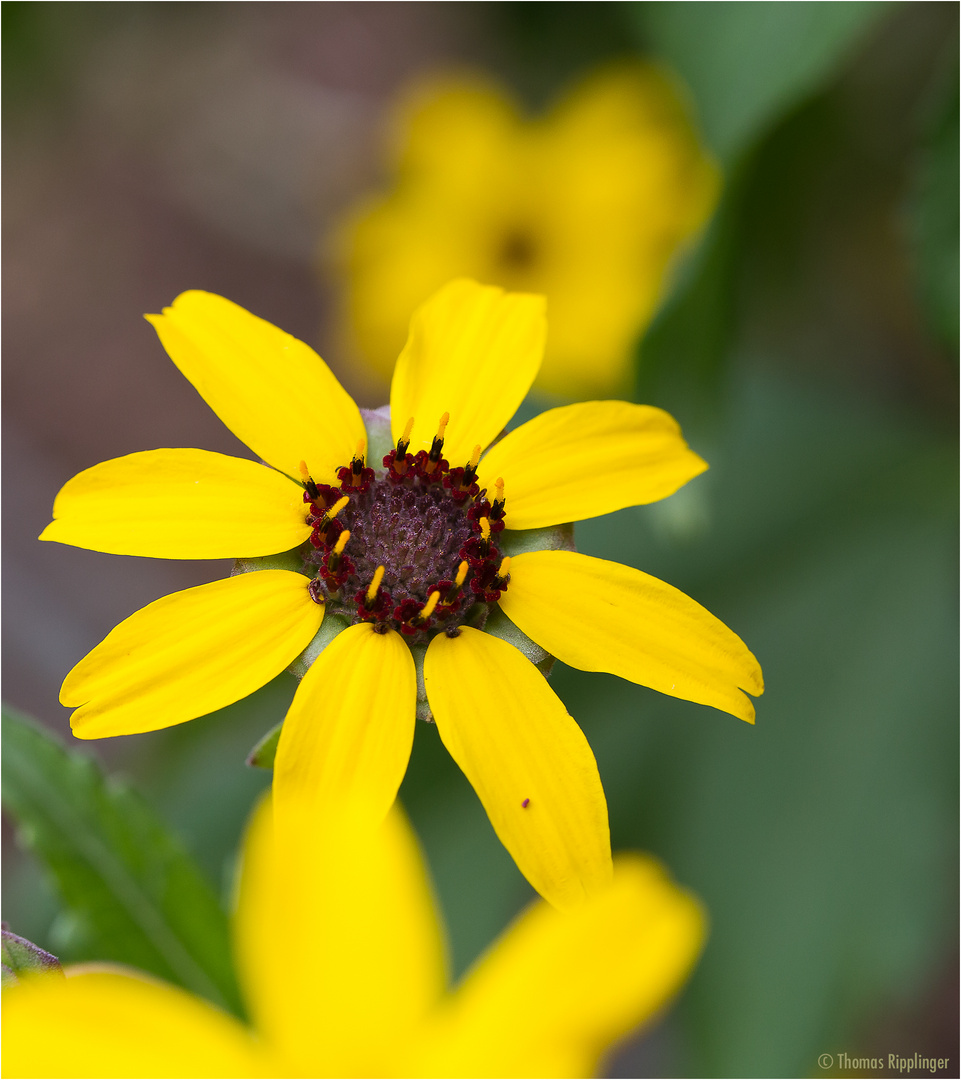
(558, 988)
(190, 653)
(526, 758)
(583, 460)
(338, 942)
(272, 391)
(180, 504)
(473, 352)
(601, 616)
(113, 1023)
(346, 740)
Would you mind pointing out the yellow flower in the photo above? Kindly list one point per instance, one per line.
(588, 205)
(341, 958)
(393, 574)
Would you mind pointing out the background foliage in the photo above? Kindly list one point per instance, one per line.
(807, 347)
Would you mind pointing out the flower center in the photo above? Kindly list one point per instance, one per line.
(409, 548)
(517, 251)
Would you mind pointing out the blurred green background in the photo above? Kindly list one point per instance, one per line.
(808, 348)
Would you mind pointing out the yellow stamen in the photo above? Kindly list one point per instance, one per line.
(437, 446)
(374, 586)
(499, 489)
(485, 528)
(330, 514)
(400, 454)
(337, 507)
(505, 567)
(428, 609)
(469, 475)
(341, 543)
(357, 464)
(304, 471)
(458, 582)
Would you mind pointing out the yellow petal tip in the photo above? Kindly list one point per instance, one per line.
(748, 714)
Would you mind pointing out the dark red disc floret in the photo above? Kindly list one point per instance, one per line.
(398, 466)
(406, 614)
(324, 537)
(460, 491)
(353, 483)
(429, 470)
(336, 577)
(485, 583)
(479, 553)
(481, 509)
(377, 610)
(320, 495)
(418, 520)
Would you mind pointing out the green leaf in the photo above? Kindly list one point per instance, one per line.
(134, 895)
(682, 354)
(747, 64)
(934, 214)
(824, 839)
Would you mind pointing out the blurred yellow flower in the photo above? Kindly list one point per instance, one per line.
(402, 568)
(588, 205)
(341, 958)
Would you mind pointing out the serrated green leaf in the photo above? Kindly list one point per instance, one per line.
(135, 895)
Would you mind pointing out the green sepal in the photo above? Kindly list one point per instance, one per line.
(284, 560)
(500, 626)
(21, 957)
(329, 629)
(418, 652)
(380, 441)
(520, 541)
(263, 754)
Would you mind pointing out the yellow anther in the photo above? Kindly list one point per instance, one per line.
(337, 507)
(499, 489)
(408, 428)
(374, 586)
(474, 458)
(341, 542)
(428, 609)
(461, 574)
(304, 471)
(442, 425)
(505, 567)
(485, 528)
